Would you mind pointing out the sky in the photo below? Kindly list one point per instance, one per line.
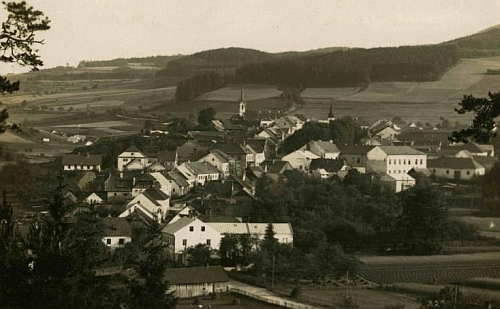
(107, 29)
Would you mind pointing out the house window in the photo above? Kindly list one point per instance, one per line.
(416, 161)
(468, 172)
(121, 241)
(184, 242)
(203, 229)
(399, 161)
(209, 242)
(108, 241)
(447, 171)
(390, 161)
(191, 228)
(358, 160)
(114, 194)
(433, 170)
(132, 154)
(125, 160)
(404, 161)
(420, 161)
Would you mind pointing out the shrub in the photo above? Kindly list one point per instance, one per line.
(236, 301)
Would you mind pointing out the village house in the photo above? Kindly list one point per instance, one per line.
(117, 187)
(224, 163)
(326, 168)
(179, 184)
(283, 231)
(384, 129)
(188, 232)
(323, 149)
(77, 162)
(356, 156)
(258, 149)
(289, 123)
(399, 159)
(132, 159)
(482, 150)
(117, 232)
(455, 168)
(300, 160)
(169, 159)
(95, 198)
(397, 182)
(237, 152)
(152, 202)
(196, 281)
(198, 173)
(192, 150)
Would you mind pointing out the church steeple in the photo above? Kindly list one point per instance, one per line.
(243, 103)
(331, 115)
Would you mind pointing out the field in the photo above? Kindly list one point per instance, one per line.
(412, 101)
(231, 93)
(428, 269)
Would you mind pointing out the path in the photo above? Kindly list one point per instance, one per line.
(266, 296)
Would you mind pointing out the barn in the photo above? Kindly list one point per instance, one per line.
(196, 281)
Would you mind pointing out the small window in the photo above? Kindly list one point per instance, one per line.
(416, 161)
(421, 161)
(121, 241)
(191, 228)
(184, 242)
(108, 241)
(203, 229)
(468, 172)
(447, 171)
(358, 160)
(131, 153)
(209, 242)
(390, 161)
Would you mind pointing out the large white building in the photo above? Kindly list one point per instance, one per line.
(132, 159)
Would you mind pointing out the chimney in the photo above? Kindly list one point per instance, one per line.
(265, 168)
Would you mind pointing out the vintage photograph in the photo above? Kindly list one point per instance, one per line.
(320, 154)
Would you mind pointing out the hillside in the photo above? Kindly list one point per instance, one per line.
(482, 44)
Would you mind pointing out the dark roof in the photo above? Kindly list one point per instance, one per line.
(218, 218)
(230, 148)
(453, 163)
(358, 149)
(132, 149)
(274, 167)
(156, 194)
(167, 156)
(400, 150)
(329, 165)
(76, 159)
(177, 178)
(196, 275)
(116, 184)
(116, 227)
(257, 145)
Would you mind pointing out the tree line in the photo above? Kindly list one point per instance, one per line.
(354, 67)
(194, 86)
(158, 61)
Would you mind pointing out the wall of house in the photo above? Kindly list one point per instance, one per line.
(94, 199)
(464, 174)
(81, 167)
(196, 236)
(402, 164)
(114, 242)
(126, 157)
(222, 167)
(178, 191)
(201, 289)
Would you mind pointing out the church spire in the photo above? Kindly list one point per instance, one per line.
(331, 115)
(243, 103)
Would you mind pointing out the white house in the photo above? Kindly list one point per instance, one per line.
(132, 159)
(456, 168)
(300, 160)
(94, 198)
(220, 160)
(283, 231)
(401, 159)
(323, 149)
(152, 202)
(188, 232)
(76, 162)
(398, 182)
(180, 186)
(189, 282)
(198, 173)
(117, 232)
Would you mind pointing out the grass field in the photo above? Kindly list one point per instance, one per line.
(225, 301)
(231, 93)
(11, 138)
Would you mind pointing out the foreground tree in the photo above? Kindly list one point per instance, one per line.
(483, 126)
(206, 116)
(152, 292)
(17, 38)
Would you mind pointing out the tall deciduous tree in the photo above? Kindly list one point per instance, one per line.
(483, 126)
(206, 116)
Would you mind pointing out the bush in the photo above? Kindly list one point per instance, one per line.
(236, 301)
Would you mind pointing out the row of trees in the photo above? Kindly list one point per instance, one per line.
(196, 85)
(357, 214)
(343, 131)
(354, 67)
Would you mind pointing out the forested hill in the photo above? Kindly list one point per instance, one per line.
(482, 44)
(354, 67)
(223, 59)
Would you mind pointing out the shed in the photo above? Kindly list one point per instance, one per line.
(197, 281)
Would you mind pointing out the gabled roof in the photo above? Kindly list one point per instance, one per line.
(132, 149)
(76, 159)
(355, 149)
(258, 145)
(200, 168)
(178, 225)
(472, 147)
(452, 152)
(177, 178)
(400, 150)
(454, 163)
(328, 165)
(155, 194)
(196, 275)
(326, 146)
(116, 184)
(221, 156)
(116, 227)
(230, 148)
(275, 166)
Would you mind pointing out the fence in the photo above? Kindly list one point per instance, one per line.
(269, 300)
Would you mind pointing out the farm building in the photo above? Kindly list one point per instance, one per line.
(76, 162)
(456, 168)
(117, 232)
(197, 281)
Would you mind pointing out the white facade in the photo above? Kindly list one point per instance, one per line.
(189, 232)
(300, 160)
(94, 199)
(164, 183)
(402, 164)
(130, 155)
(222, 166)
(114, 242)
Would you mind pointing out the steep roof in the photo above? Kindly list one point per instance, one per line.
(132, 149)
(155, 194)
(167, 156)
(326, 146)
(177, 225)
(201, 168)
(355, 149)
(177, 178)
(196, 275)
(275, 166)
(454, 163)
(76, 159)
(116, 227)
(221, 155)
(400, 150)
(329, 165)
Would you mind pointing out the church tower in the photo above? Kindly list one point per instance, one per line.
(331, 115)
(243, 104)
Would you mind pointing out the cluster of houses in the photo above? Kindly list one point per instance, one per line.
(219, 170)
